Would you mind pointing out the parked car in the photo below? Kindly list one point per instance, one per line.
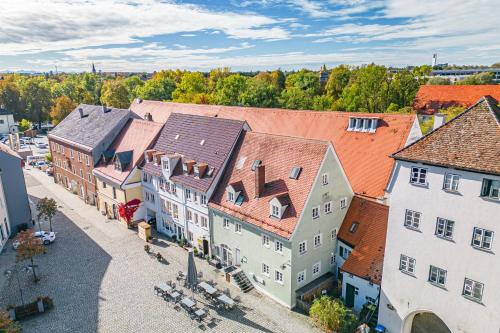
(47, 237)
(41, 145)
(40, 164)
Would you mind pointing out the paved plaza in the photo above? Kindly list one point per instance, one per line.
(101, 279)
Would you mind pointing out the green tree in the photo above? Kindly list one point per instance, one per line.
(452, 111)
(29, 247)
(369, 92)
(331, 315)
(10, 97)
(496, 65)
(191, 89)
(337, 80)
(91, 85)
(304, 80)
(36, 97)
(481, 78)
(403, 88)
(437, 80)
(62, 107)
(157, 89)
(296, 98)
(215, 76)
(230, 89)
(47, 209)
(278, 79)
(115, 94)
(322, 103)
(260, 93)
(132, 83)
(24, 125)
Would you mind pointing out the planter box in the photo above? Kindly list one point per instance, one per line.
(33, 308)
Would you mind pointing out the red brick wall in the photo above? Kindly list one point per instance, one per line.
(67, 165)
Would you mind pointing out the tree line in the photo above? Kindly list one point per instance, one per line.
(370, 88)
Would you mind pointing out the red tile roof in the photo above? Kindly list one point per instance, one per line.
(470, 141)
(368, 241)
(364, 156)
(279, 154)
(136, 136)
(431, 98)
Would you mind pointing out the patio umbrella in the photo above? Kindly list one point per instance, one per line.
(192, 275)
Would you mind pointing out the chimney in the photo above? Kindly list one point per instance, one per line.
(138, 100)
(148, 155)
(260, 180)
(81, 112)
(199, 169)
(148, 116)
(157, 157)
(104, 109)
(439, 120)
(187, 167)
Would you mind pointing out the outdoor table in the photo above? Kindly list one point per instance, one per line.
(188, 302)
(226, 300)
(208, 288)
(200, 314)
(175, 295)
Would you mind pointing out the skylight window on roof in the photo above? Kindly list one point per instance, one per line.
(241, 162)
(295, 172)
(255, 164)
(202, 142)
(357, 124)
(177, 137)
(354, 227)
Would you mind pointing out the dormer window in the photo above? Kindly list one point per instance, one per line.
(278, 205)
(358, 124)
(165, 166)
(354, 227)
(230, 196)
(234, 193)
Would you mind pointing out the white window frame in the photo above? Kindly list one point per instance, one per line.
(470, 289)
(315, 212)
(230, 196)
(225, 223)
(444, 228)
(327, 207)
(412, 219)
(275, 211)
(436, 274)
(304, 243)
(237, 228)
(451, 182)
(407, 264)
(479, 243)
(316, 269)
(266, 242)
(333, 234)
(265, 270)
(278, 276)
(203, 222)
(418, 176)
(343, 203)
(301, 277)
(87, 160)
(203, 199)
(278, 246)
(494, 191)
(324, 178)
(187, 194)
(316, 242)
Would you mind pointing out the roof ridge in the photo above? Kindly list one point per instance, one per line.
(317, 141)
(424, 137)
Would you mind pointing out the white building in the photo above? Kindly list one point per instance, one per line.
(182, 170)
(4, 218)
(441, 270)
(360, 252)
(7, 123)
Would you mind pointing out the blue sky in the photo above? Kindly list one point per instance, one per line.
(148, 35)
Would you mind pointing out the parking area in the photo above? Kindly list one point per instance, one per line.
(102, 280)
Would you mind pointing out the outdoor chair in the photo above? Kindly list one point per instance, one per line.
(173, 285)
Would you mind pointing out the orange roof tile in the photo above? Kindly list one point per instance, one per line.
(136, 136)
(470, 141)
(279, 154)
(368, 240)
(364, 156)
(431, 98)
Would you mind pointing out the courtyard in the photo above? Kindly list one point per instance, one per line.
(101, 279)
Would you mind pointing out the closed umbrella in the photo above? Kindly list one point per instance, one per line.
(192, 275)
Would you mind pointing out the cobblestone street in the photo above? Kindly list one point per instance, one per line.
(101, 279)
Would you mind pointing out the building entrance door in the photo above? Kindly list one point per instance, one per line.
(349, 295)
(237, 257)
(205, 247)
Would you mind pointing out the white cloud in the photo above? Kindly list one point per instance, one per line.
(323, 40)
(32, 26)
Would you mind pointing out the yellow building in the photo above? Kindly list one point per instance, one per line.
(117, 175)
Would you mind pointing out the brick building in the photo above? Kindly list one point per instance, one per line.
(77, 144)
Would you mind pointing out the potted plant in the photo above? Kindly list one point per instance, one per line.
(195, 251)
(147, 248)
(159, 257)
(39, 304)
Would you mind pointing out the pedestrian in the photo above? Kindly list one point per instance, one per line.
(363, 328)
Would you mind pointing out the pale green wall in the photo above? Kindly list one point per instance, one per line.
(250, 240)
(337, 188)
